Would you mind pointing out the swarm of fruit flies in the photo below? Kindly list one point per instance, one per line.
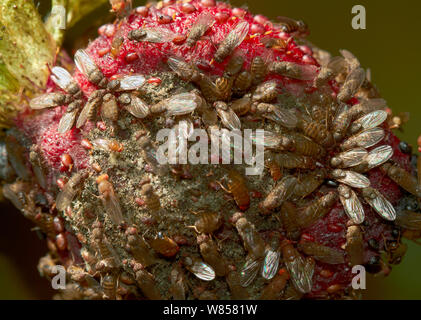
(338, 189)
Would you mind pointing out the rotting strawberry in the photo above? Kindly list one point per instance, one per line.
(341, 174)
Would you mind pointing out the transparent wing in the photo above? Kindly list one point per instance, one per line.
(137, 107)
(351, 178)
(237, 35)
(182, 104)
(229, 118)
(408, 219)
(87, 111)
(269, 140)
(203, 271)
(61, 77)
(365, 139)
(379, 203)
(113, 209)
(271, 264)
(128, 83)
(378, 156)
(352, 157)
(47, 100)
(351, 204)
(67, 121)
(249, 271)
(283, 116)
(371, 120)
(84, 63)
(158, 35)
(202, 24)
(337, 64)
(301, 272)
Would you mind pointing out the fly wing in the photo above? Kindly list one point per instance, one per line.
(113, 209)
(158, 35)
(301, 272)
(378, 156)
(249, 271)
(202, 24)
(67, 121)
(128, 83)
(47, 100)
(61, 77)
(237, 35)
(87, 111)
(283, 116)
(351, 204)
(371, 120)
(137, 107)
(351, 178)
(229, 118)
(271, 264)
(365, 139)
(352, 157)
(181, 104)
(203, 271)
(84, 63)
(379, 203)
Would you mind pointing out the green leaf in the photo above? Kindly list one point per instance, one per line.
(26, 47)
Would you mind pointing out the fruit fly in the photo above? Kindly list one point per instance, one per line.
(186, 71)
(109, 285)
(300, 269)
(149, 154)
(236, 185)
(87, 67)
(258, 69)
(147, 284)
(272, 257)
(102, 244)
(316, 209)
(351, 204)
(352, 84)
(234, 66)
(322, 253)
(329, 72)
(369, 121)
(66, 196)
(274, 43)
(313, 130)
(253, 243)
(207, 222)
(354, 245)
(375, 158)
(402, 178)
(367, 106)
(211, 255)
(341, 122)
(379, 203)
(409, 220)
(232, 41)
(234, 283)
(48, 100)
(285, 117)
(350, 178)
(297, 28)
(107, 145)
(305, 146)
(243, 82)
(241, 106)
(153, 35)
(266, 92)
(178, 105)
(88, 111)
(273, 289)
(364, 139)
(203, 23)
(109, 199)
(280, 193)
(274, 141)
(309, 182)
(134, 105)
(38, 166)
(223, 88)
(350, 158)
(227, 115)
(164, 245)
(151, 199)
(293, 70)
(178, 283)
(290, 160)
(274, 168)
(140, 250)
(288, 215)
(199, 268)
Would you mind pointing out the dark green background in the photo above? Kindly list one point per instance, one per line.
(390, 47)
